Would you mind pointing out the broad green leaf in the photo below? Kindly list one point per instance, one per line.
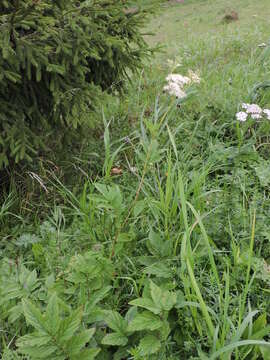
(33, 316)
(115, 321)
(145, 321)
(40, 352)
(32, 281)
(165, 330)
(77, 342)
(115, 339)
(97, 296)
(146, 304)
(33, 340)
(155, 244)
(15, 312)
(70, 325)
(130, 314)
(265, 351)
(149, 345)
(263, 173)
(159, 269)
(259, 323)
(163, 299)
(52, 314)
(139, 207)
(87, 354)
(12, 291)
(122, 353)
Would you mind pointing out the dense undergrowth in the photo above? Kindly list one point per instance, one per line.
(163, 253)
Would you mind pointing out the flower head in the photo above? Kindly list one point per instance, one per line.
(267, 113)
(176, 83)
(245, 106)
(178, 79)
(241, 116)
(174, 89)
(194, 77)
(253, 109)
(256, 116)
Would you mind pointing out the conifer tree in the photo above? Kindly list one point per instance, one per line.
(54, 56)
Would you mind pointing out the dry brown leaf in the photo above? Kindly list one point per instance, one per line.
(116, 171)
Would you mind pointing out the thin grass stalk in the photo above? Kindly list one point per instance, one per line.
(186, 258)
(246, 289)
(209, 249)
(204, 310)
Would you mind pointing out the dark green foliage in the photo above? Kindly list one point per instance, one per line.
(55, 56)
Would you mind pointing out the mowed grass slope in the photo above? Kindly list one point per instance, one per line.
(179, 23)
(226, 54)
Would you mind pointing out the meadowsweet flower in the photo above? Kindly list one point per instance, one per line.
(175, 85)
(241, 116)
(253, 109)
(267, 113)
(178, 79)
(194, 77)
(175, 90)
(256, 116)
(245, 106)
(177, 82)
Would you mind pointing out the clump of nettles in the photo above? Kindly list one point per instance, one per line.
(176, 83)
(252, 111)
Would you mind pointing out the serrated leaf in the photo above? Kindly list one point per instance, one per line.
(33, 316)
(162, 298)
(40, 352)
(15, 313)
(100, 295)
(115, 321)
(33, 340)
(77, 342)
(145, 321)
(165, 330)
(130, 314)
(149, 345)
(52, 314)
(263, 173)
(70, 325)
(122, 353)
(155, 244)
(87, 354)
(31, 282)
(159, 269)
(146, 304)
(115, 339)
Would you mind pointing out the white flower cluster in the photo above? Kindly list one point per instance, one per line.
(194, 77)
(176, 82)
(254, 111)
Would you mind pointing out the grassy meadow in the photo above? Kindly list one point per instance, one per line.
(155, 243)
